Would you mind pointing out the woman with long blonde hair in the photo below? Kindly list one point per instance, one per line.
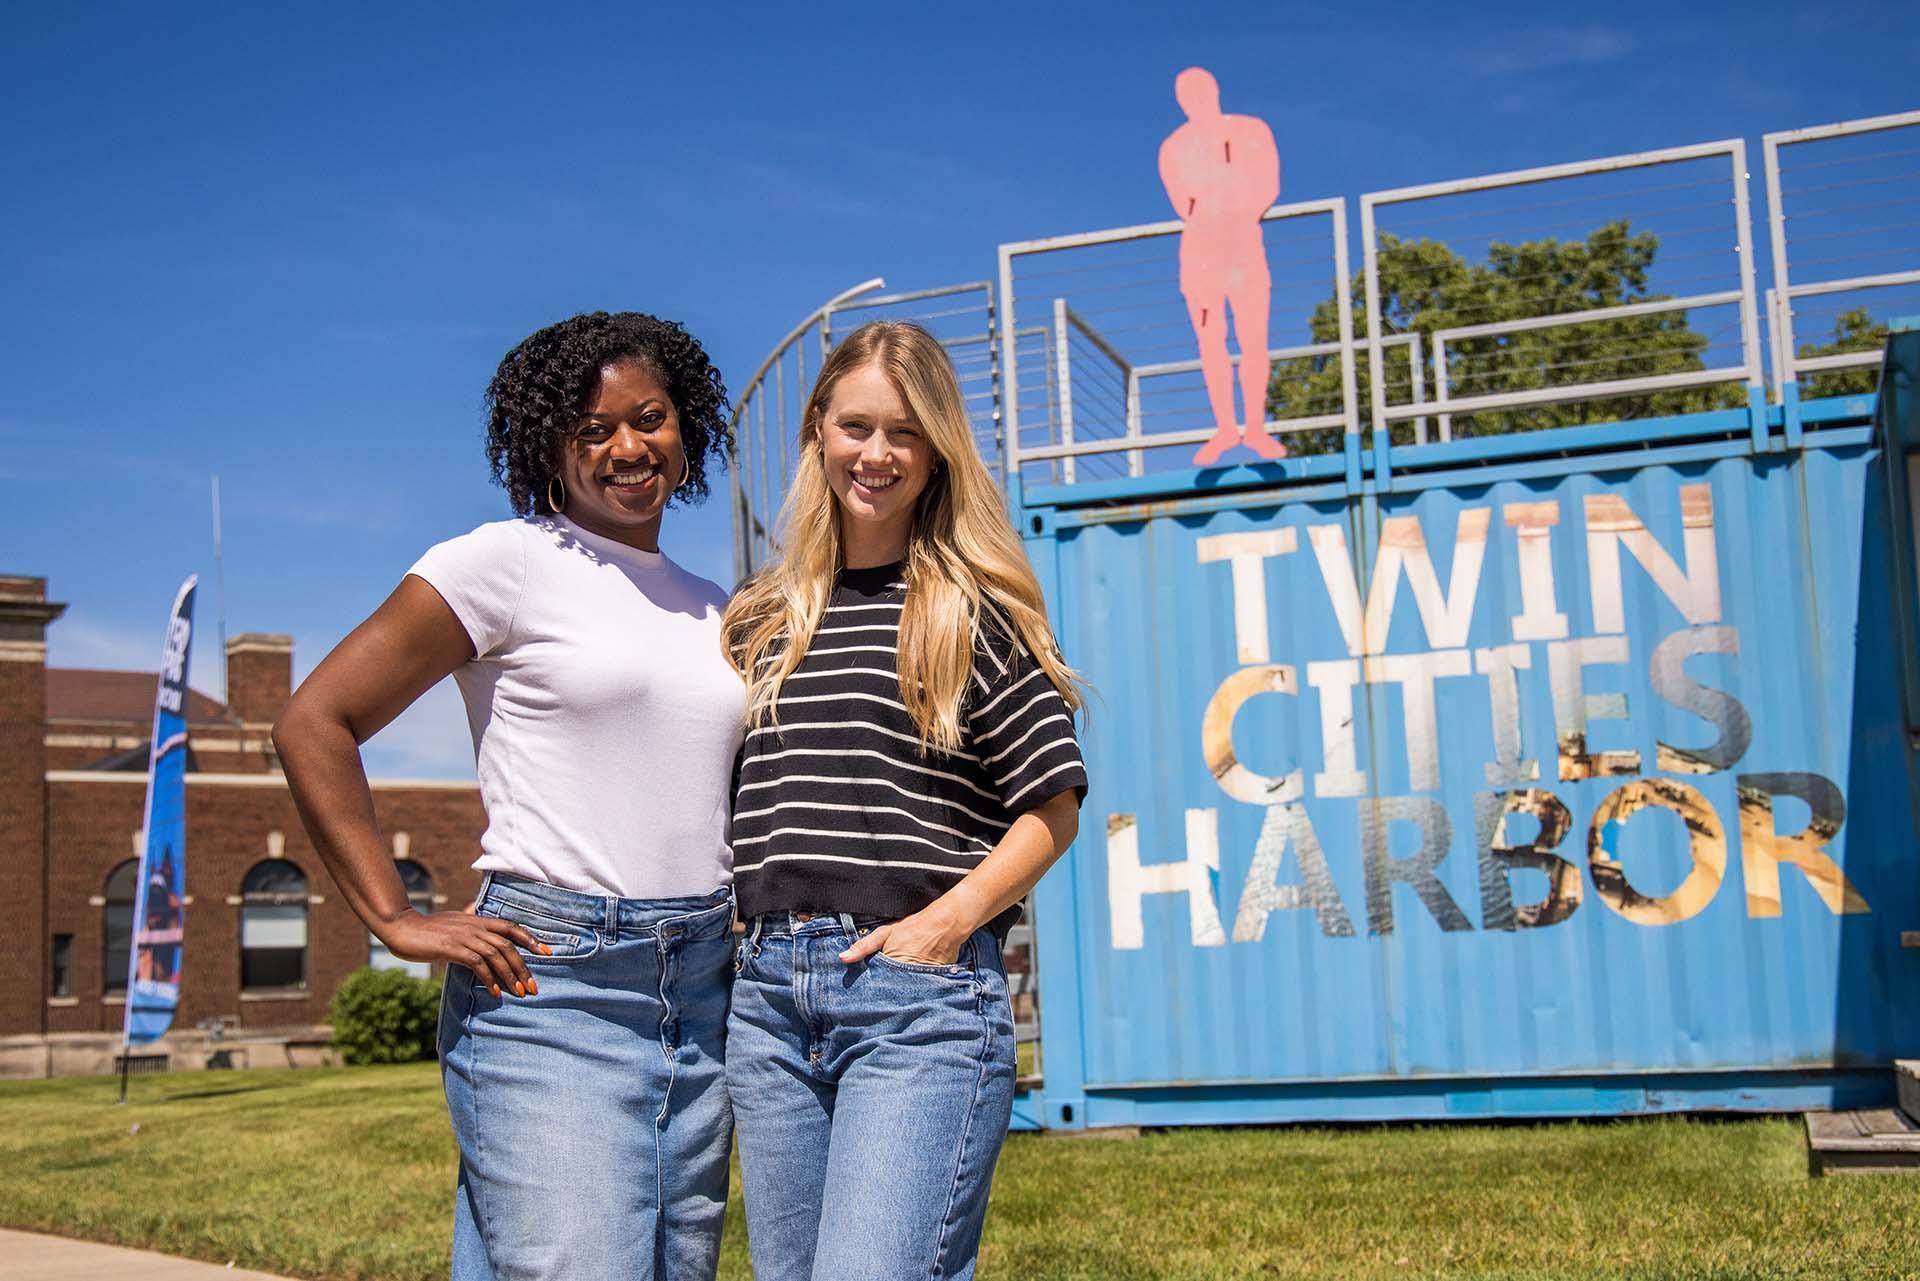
(909, 772)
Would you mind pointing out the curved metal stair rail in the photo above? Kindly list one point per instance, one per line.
(750, 532)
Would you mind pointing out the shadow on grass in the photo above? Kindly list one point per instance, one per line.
(216, 1094)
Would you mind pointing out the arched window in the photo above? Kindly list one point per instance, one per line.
(420, 896)
(116, 927)
(273, 928)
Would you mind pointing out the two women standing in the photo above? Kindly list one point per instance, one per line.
(906, 770)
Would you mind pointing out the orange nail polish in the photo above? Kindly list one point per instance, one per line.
(519, 990)
(533, 987)
(494, 988)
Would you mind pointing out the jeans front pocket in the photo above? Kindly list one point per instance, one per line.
(570, 941)
(916, 967)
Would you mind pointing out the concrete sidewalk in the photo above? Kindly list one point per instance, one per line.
(25, 1255)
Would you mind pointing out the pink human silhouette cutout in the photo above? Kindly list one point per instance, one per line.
(1222, 172)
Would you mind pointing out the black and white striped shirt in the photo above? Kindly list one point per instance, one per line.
(838, 807)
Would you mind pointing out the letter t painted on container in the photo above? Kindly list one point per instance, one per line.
(1247, 553)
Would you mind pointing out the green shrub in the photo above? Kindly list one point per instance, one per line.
(385, 1016)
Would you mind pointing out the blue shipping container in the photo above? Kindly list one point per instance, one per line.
(1566, 786)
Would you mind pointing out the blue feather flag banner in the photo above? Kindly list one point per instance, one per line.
(159, 906)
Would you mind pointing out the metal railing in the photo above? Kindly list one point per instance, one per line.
(1134, 441)
(1566, 375)
(1873, 218)
(1079, 361)
(1441, 338)
(1104, 315)
(766, 418)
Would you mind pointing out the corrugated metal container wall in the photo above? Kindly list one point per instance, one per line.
(1584, 792)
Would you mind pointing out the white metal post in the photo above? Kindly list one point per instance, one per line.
(779, 425)
(1773, 345)
(1377, 387)
(1136, 459)
(1416, 374)
(1783, 345)
(1749, 311)
(1349, 380)
(1063, 370)
(1010, 374)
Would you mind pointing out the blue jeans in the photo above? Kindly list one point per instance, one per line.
(870, 1100)
(592, 1118)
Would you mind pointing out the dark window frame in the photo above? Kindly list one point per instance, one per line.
(60, 966)
(271, 971)
(115, 959)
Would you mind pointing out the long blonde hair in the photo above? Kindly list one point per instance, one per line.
(965, 567)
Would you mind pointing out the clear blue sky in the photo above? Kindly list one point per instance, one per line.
(288, 243)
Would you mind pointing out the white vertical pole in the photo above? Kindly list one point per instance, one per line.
(1375, 364)
(220, 582)
(1782, 317)
(1010, 374)
(1416, 373)
(1136, 459)
(1064, 371)
(1749, 313)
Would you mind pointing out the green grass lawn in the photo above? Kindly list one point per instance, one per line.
(348, 1173)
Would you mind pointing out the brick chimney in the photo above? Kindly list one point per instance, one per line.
(259, 677)
(25, 612)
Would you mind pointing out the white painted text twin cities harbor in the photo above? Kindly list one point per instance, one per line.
(1290, 866)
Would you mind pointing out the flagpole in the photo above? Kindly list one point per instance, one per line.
(220, 588)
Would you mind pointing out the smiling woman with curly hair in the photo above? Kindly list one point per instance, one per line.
(536, 397)
(583, 1028)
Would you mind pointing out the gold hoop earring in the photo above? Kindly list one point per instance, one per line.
(686, 472)
(556, 505)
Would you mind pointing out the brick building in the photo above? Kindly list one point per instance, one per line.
(267, 936)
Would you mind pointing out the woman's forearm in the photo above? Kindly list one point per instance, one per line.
(329, 786)
(383, 665)
(1004, 877)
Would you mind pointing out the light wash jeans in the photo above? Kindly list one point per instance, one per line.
(870, 1100)
(592, 1118)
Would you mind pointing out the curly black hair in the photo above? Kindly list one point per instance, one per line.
(543, 387)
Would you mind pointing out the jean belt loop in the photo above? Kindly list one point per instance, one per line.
(480, 895)
(846, 923)
(753, 935)
(613, 918)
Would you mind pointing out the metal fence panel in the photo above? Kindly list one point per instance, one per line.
(1566, 295)
(1103, 372)
(1843, 203)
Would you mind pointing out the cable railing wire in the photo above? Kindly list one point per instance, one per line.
(1805, 165)
(1719, 180)
(1808, 214)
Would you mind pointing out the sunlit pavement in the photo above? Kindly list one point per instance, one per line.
(43, 1258)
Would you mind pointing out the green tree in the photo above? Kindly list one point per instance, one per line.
(1854, 330)
(1425, 285)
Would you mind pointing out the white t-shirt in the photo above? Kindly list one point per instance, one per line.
(605, 720)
